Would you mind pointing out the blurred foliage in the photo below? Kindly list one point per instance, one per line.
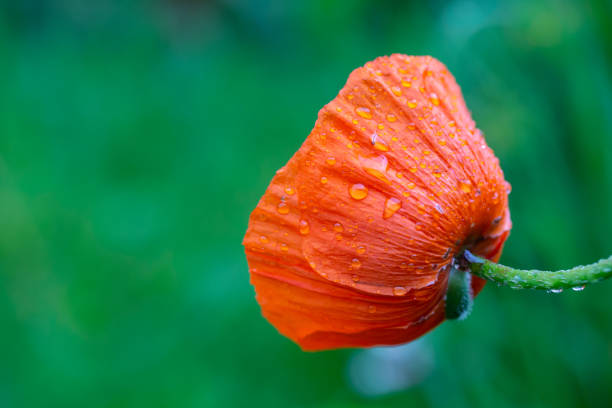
(136, 137)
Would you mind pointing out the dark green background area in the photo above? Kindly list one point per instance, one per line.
(136, 137)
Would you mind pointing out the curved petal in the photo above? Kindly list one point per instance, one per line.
(321, 340)
(301, 307)
(297, 300)
(399, 179)
(350, 244)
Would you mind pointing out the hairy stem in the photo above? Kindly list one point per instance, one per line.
(574, 278)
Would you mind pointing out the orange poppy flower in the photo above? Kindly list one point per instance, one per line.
(351, 244)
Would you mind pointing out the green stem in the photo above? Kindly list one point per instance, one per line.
(574, 278)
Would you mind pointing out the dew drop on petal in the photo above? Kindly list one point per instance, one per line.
(358, 191)
(376, 166)
(396, 90)
(378, 143)
(391, 117)
(412, 104)
(364, 112)
(284, 247)
(331, 160)
(465, 186)
(282, 208)
(360, 249)
(263, 239)
(338, 227)
(391, 206)
(355, 264)
(399, 291)
(371, 309)
(304, 227)
(324, 180)
(289, 191)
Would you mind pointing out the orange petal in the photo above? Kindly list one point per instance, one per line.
(302, 307)
(393, 181)
(426, 183)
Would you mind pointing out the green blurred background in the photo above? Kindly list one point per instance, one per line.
(136, 137)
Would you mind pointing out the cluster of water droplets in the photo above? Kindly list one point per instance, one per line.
(377, 165)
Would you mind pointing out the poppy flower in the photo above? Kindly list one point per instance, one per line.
(352, 242)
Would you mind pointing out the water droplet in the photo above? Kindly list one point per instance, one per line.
(284, 247)
(556, 290)
(324, 180)
(338, 227)
(304, 227)
(376, 166)
(391, 206)
(406, 84)
(331, 160)
(399, 291)
(412, 104)
(358, 191)
(396, 90)
(355, 264)
(578, 288)
(465, 186)
(391, 117)
(403, 265)
(282, 208)
(289, 191)
(434, 99)
(364, 112)
(371, 309)
(355, 278)
(360, 249)
(263, 239)
(378, 143)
